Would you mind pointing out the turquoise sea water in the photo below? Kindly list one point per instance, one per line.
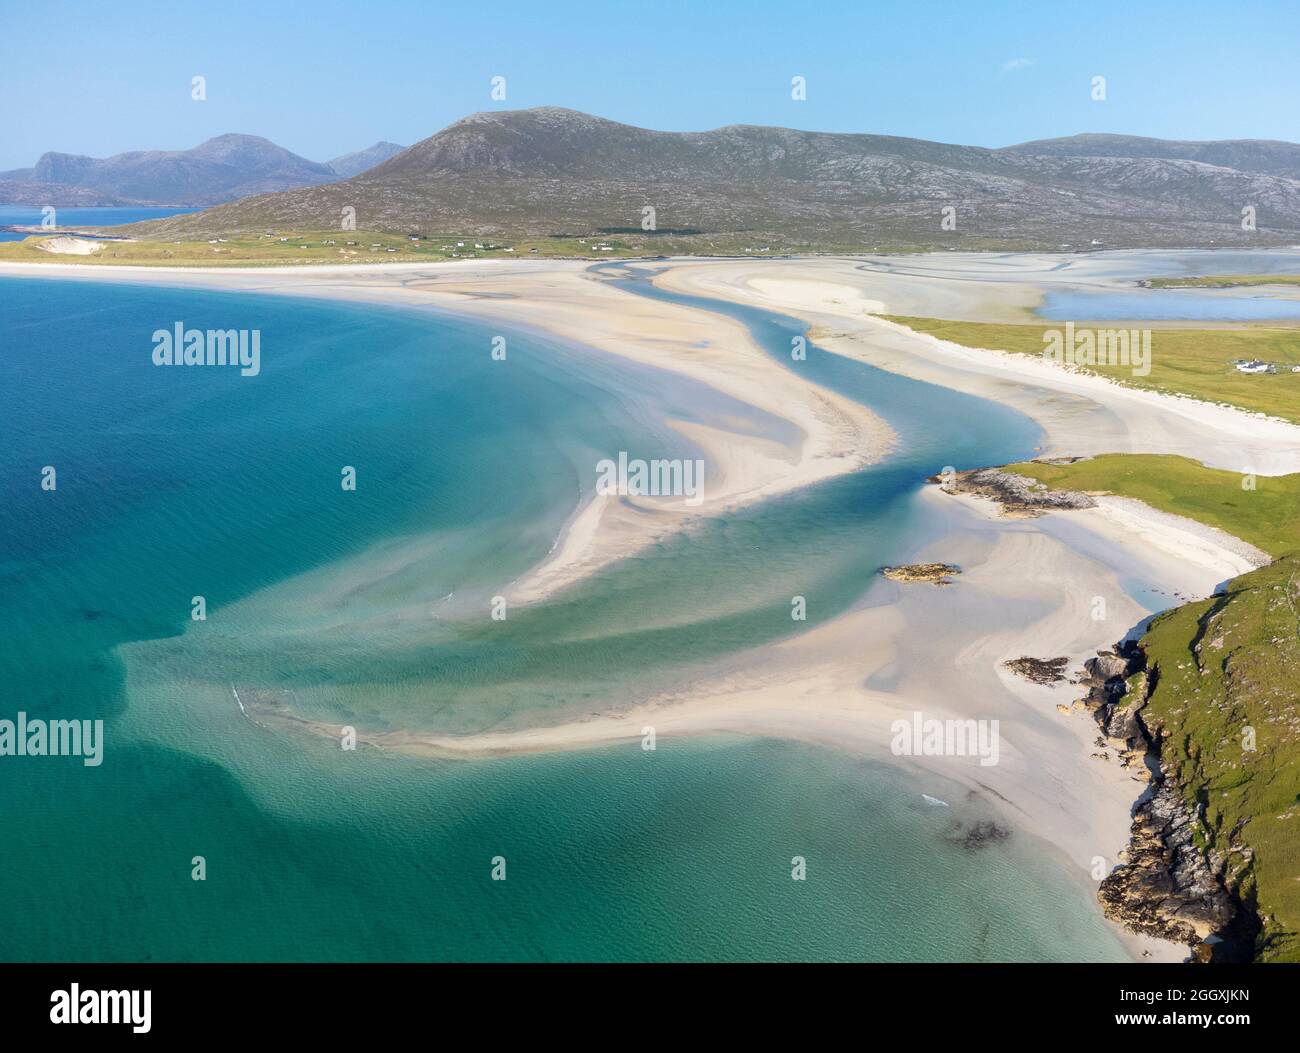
(31, 215)
(368, 607)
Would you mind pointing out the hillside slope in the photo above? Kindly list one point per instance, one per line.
(548, 171)
(348, 165)
(1220, 700)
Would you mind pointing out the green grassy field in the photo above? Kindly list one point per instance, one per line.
(1228, 669)
(1195, 362)
(306, 247)
(1224, 665)
(1222, 281)
(318, 247)
(1267, 516)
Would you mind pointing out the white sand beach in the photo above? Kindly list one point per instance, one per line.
(560, 298)
(1081, 414)
(1022, 591)
(1027, 587)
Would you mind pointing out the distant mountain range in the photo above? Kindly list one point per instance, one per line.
(549, 171)
(226, 168)
(348, 165)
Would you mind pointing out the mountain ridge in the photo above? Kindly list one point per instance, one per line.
(223, 168)
(1264, 156)
(348, 165)
(550, 171)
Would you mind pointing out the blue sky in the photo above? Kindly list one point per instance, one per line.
(326, 77)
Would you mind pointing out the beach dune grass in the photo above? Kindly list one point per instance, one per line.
(1195, 362)
(1222, 281)
(297, 247)
(1264, 510)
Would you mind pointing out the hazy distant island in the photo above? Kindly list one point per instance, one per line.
(223, 168)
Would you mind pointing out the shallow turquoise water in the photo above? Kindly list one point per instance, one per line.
(1166, 305)
(683, 853)
(172, 484)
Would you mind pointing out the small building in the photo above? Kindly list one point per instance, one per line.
(1254, 366)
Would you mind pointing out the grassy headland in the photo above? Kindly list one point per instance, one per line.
(1226, 705)
(1195, 362)
(1267, 516)
(1221, 281)
(1224, 683)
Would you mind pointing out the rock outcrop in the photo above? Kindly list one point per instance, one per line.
(1039, 670)
(1019, 496)
(935, 573)
(1168, 884)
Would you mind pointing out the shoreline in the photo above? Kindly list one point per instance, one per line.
(825, 686)
(1081, 414)
(561, 299)
(1213, 434)
(805, 689)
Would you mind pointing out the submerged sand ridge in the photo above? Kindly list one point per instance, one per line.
(837, 434)
(562, 298)
(1027, 587)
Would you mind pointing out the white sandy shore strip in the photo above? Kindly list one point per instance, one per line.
(1198, 543)
(1023, 592)
(940, 651)
(561, 298)
(1081, 414)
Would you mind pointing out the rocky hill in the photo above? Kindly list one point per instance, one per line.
(548, 171)
(348, 165)
(222, 169)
